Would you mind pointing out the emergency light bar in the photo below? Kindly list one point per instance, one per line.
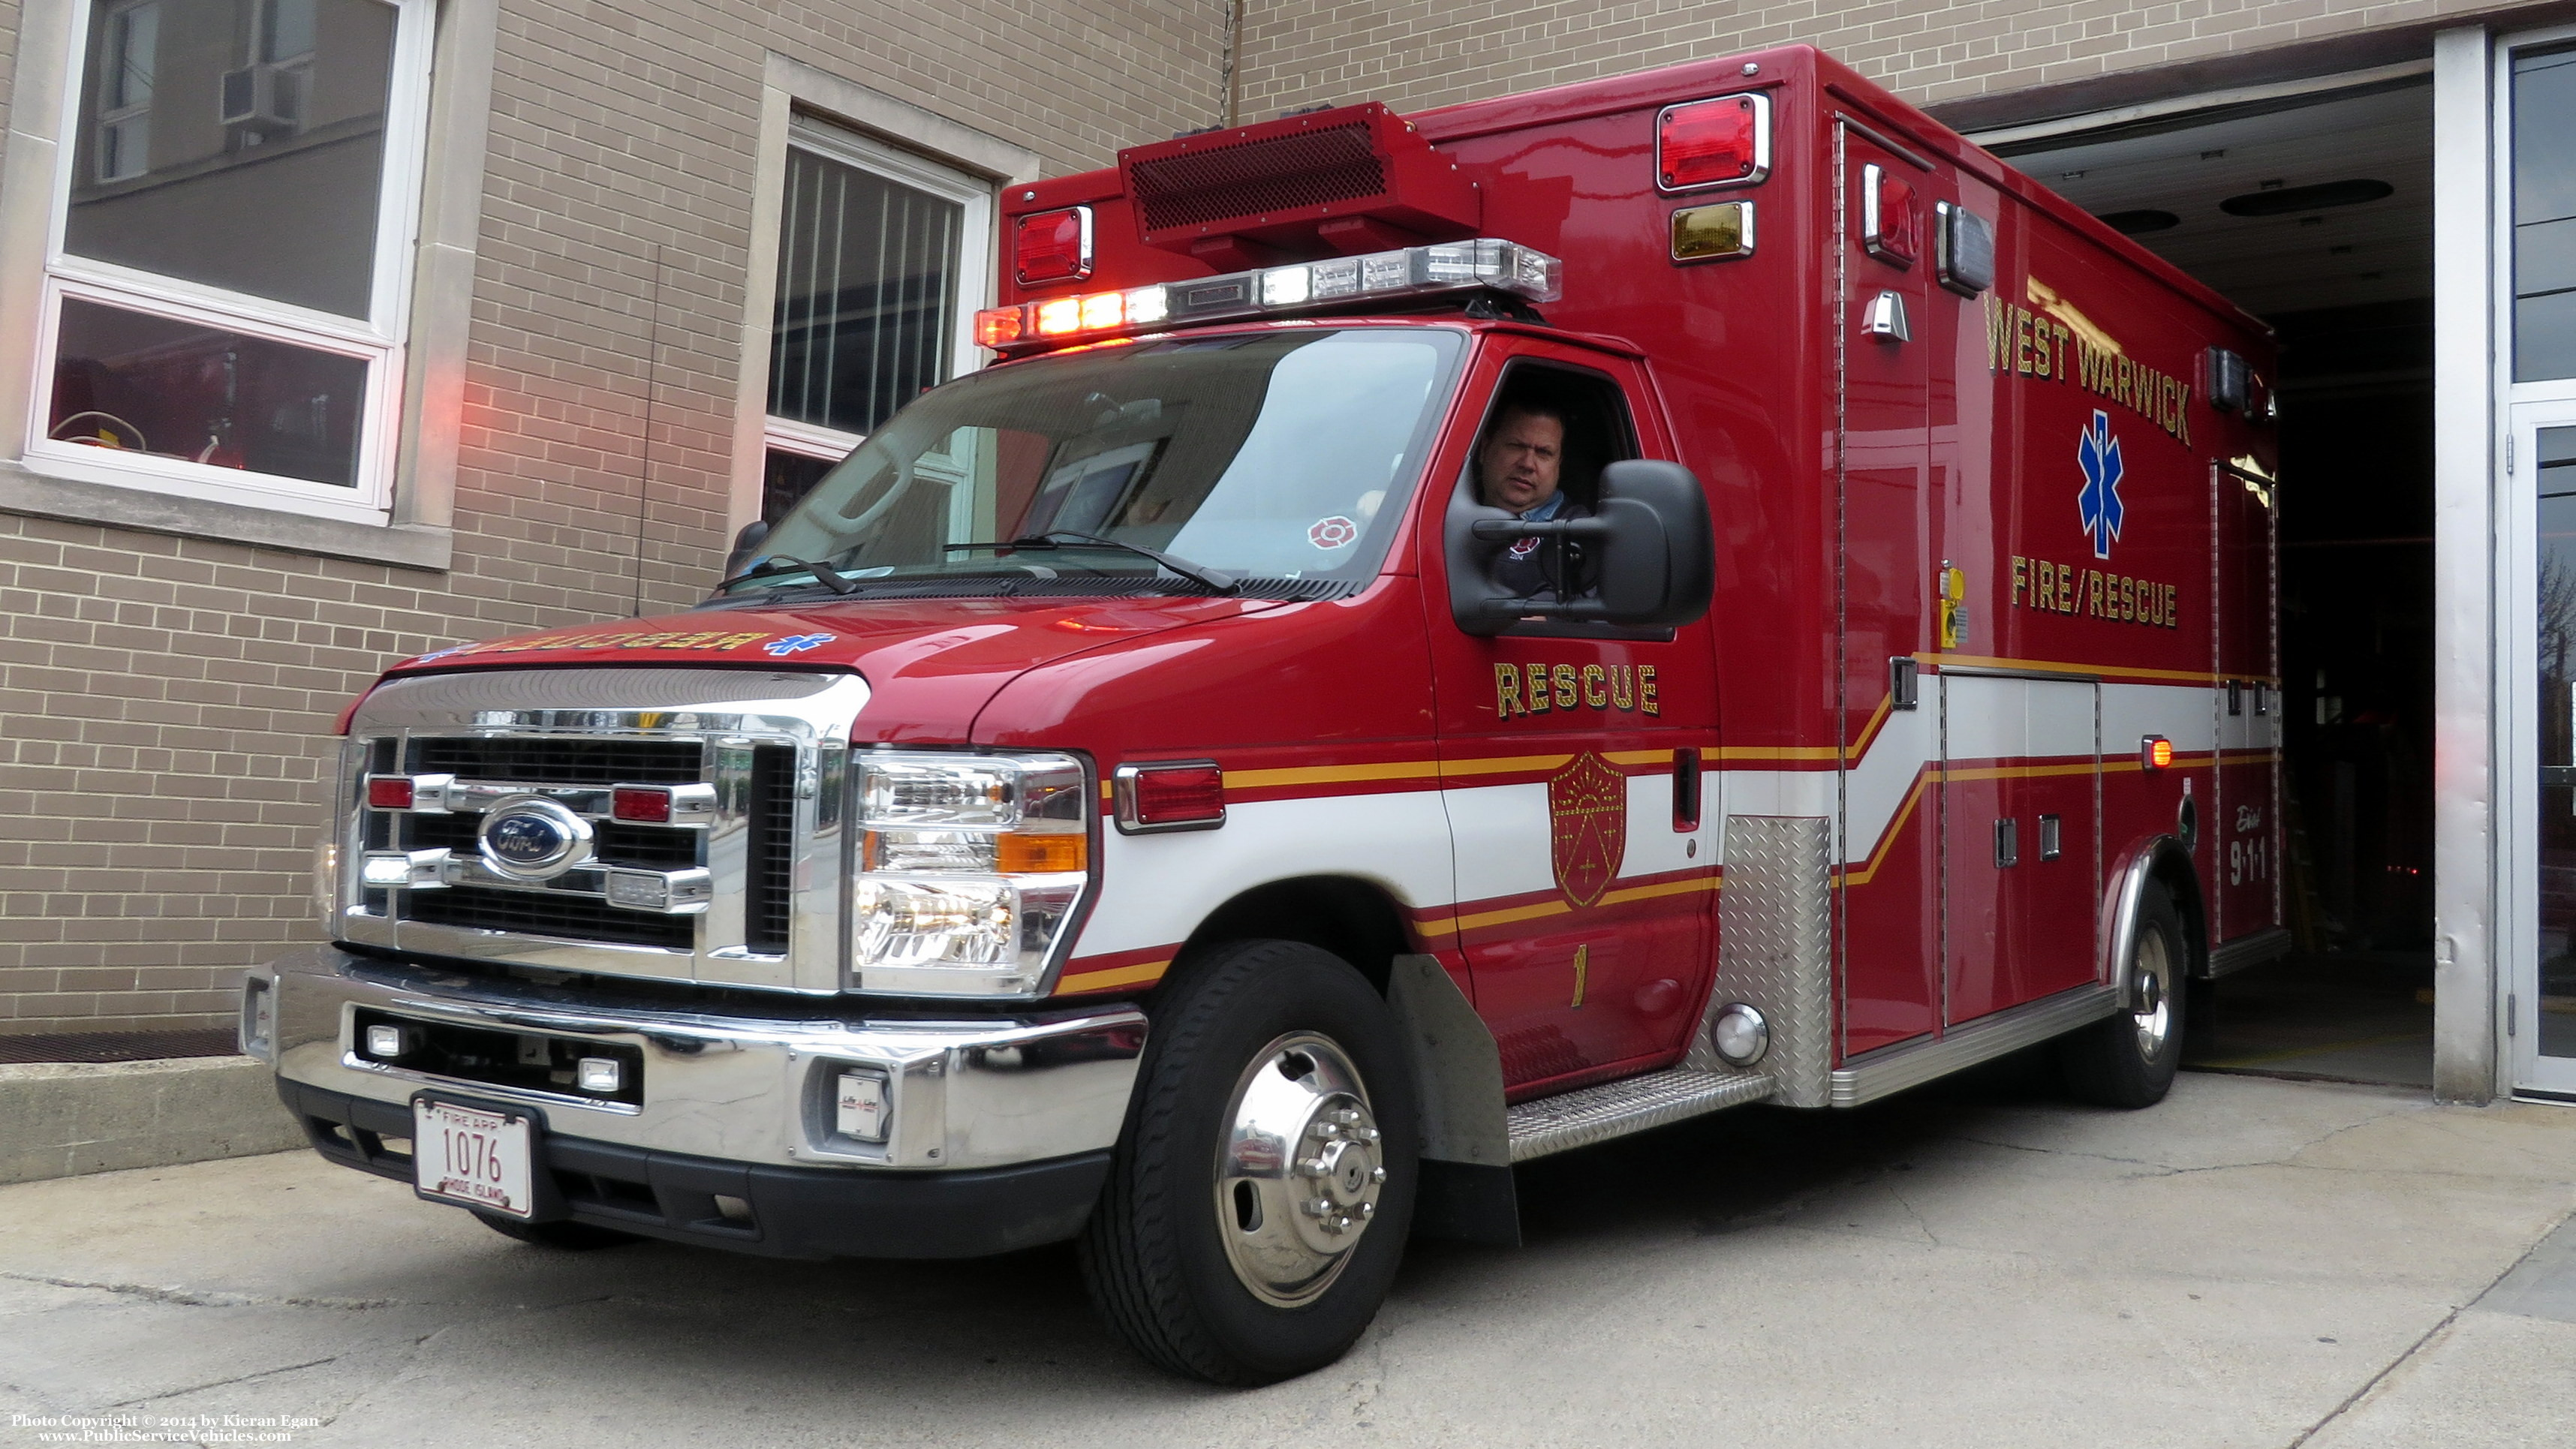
(1276, 291)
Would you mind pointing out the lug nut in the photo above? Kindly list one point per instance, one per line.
(1325, 1129)
(1311, 1167)
(1347, 1116)
(1367, 1210)
(1378, 1176)
(1366, 1134)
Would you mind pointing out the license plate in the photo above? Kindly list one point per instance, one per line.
(472, 1156)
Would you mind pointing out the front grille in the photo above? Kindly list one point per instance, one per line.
(645, 847)
(561, 761)
(1258, 178)
(559, 915)
(713, 899)
(773, 849)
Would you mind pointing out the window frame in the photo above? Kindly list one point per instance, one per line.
(821, 136)
(378, 339)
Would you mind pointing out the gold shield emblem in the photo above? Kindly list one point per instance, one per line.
(1587, 811)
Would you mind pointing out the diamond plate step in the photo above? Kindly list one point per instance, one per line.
(1615, 1109)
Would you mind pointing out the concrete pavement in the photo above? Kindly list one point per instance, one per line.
(2253, 1263)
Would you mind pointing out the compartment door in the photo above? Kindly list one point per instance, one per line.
(2020, 839)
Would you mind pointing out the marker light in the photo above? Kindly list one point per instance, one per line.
(1891, 228)
(1721, 142)
(1053, 246)
(2156, 752)
(1444, 267)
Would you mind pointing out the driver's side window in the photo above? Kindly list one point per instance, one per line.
(1547, 434)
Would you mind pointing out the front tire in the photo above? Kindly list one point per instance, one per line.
(2129, 1059)
(1258, 1202)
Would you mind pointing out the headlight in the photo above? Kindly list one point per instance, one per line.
(970, 867)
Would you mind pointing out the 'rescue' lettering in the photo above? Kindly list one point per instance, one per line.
(2025, 343)
(2060, 588)
(1541, 688)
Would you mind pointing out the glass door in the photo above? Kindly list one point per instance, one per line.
(2540, 724)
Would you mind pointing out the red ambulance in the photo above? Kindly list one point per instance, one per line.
(1441, 639)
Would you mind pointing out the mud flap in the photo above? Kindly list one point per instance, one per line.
(1468, 1192)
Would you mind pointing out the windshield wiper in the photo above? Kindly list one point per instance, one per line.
(1213, 580)
(824, 574)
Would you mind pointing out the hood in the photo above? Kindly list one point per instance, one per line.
(930, 664)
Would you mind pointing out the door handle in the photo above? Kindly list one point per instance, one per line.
(1685, 790)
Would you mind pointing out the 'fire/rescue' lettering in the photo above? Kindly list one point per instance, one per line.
(2062, 589)
(1539, 688)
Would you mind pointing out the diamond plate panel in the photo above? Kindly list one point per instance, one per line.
(1615, 1109)
(1775, 948)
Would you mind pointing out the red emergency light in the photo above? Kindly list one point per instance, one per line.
(389, 792)
(1183, 795)
(1721, 142)
(640, 805)
(1053, 246)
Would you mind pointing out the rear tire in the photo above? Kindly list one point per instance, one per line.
(1259, 1199)
(570, 1237)
(2129, 1058)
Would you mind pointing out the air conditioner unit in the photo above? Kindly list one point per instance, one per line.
(263, 97)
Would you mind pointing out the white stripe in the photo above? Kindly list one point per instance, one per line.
(1158, 888)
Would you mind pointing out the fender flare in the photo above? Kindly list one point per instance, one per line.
(2160, 855)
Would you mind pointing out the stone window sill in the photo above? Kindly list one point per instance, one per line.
(403, 545)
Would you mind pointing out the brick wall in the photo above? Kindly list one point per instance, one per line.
(165, 703)
(1417, 53)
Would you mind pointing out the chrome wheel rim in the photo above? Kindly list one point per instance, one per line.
(2153, 1019)
(1299, 1169)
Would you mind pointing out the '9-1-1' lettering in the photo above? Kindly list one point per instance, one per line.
(1538, 688)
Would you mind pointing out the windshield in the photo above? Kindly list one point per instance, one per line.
(1282, 459)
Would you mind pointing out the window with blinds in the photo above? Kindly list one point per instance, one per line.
(881, 257)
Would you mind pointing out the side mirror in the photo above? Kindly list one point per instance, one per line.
(1654, 552)
(746, 548)
(1659, 556)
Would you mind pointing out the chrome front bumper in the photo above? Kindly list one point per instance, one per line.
(963, 1093)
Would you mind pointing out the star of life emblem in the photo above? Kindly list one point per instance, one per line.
(1587, 812)
(2098, 453)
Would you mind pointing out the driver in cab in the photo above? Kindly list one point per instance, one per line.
(1518, 469)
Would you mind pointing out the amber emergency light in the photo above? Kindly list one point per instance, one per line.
(2156, 752)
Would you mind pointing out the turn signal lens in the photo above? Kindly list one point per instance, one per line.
(1053, 246)
(2156, 752)
(1721, 142)
(1019, 854)
(389, 792)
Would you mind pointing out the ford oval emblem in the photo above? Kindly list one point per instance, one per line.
(534, 839)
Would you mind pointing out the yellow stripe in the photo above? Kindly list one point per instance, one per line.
(1516, 913)
(1114, 976)
(1847, 877)
(1662, 888)
(1501, 765)
(1328, 774)
(1639, 757)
